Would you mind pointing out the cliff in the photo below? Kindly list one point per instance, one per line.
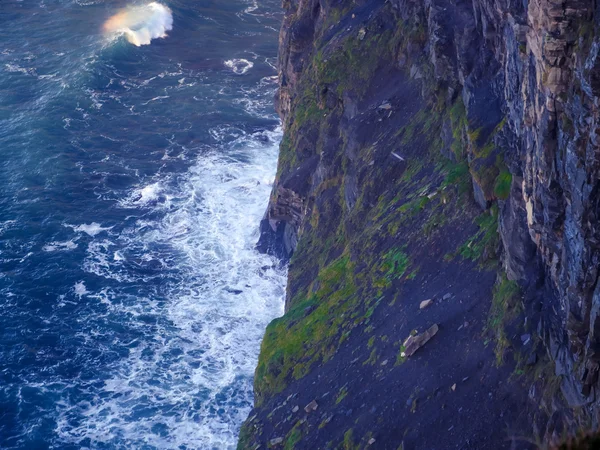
(441, 150)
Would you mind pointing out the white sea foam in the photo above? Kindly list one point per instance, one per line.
(80, 289)
(15, 68)
(253, 7)
(239, 66)
(7, 224)
(152, 194)
(141, 24)
(194, 371)
(60, 246)
(91, 229)
(148, 193)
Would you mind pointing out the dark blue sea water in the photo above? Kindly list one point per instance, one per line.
(132, 181)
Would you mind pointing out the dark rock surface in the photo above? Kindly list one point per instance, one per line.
(424, 141)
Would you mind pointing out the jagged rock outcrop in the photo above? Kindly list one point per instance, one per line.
(509, 91)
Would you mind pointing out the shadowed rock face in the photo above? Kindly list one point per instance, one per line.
(513, 87)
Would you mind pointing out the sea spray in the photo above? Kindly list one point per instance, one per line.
(141, 24)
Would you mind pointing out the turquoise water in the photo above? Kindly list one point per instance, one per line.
(132, 301)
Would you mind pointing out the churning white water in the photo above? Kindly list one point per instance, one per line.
(200, 357)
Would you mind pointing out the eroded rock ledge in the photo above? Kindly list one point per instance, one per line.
(429, 146)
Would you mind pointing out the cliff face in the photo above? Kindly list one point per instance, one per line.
(441, 150)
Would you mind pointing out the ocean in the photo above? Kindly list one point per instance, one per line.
(138, 147)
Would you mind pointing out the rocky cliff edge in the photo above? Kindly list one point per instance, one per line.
(437, 188)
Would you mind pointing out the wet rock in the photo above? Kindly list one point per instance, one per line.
(415, 72)
(312, 406)
(532, 359)
(425, 303)
(397, 156)
(309, 309)
(275, 441)
(479, 195)
(414, 343)
(234, 291)
(295, 409)
(447, 296)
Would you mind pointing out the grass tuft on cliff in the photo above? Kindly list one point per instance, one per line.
(308, 332)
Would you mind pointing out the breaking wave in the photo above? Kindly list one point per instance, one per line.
(141, 24)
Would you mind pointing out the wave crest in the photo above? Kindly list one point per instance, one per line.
(141, 24)
(239, 66)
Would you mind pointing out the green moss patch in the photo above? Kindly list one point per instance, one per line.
(505, 306)
(482, 245)
(293, 437)
(502, 185)
(309, 332)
